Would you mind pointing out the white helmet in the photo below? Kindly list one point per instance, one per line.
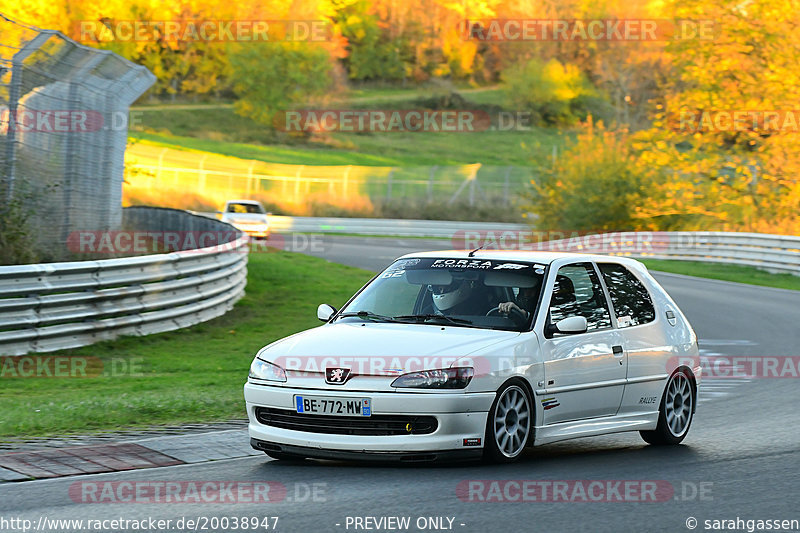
(447, 296)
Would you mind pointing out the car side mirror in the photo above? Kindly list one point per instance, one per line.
(570, 325)
(325, 312)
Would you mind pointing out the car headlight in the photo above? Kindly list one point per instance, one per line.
(448, 378)
(266, 371)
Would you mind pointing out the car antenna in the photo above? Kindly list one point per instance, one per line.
(479, 248)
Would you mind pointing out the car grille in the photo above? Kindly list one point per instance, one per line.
(347, 425)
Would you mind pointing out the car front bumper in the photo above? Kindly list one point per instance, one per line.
(461, 420)
(254, 230)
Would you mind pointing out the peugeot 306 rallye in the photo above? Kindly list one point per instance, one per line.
(479, 354)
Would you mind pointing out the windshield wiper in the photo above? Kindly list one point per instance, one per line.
(368, 315)
(432, 316)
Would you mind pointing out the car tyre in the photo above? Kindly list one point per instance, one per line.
(509, 424)
(675, 413)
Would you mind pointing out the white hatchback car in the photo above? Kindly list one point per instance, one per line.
(467, 354)
(248, 216)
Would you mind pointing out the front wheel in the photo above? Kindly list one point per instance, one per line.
(509, 424)
(676, 412)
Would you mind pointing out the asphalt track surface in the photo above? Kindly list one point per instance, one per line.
(741, 459)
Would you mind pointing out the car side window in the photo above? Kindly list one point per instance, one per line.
(632, 303)
(577, 292)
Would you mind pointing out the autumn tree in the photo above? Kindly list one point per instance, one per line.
(270, 77)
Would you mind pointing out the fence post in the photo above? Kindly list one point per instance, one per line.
(430, 182)
(13, 103)
(505, 185)
(250, 179)
(297, 184)
(472, 191)
(389, 185)
(201, 186)
(344, 180)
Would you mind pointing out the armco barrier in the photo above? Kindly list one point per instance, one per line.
(384, 226)
(774, 253)
(52, 306)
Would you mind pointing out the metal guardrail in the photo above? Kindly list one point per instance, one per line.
(774, 253)
(65, 305)
(384, 226)
(53, 306)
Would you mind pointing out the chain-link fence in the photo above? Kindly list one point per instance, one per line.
(215, 178)
(63, 132)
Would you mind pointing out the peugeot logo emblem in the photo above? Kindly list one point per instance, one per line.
(336, 376)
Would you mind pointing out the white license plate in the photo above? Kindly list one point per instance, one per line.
(327, 405)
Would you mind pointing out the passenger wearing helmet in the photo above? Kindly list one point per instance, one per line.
(524, 303)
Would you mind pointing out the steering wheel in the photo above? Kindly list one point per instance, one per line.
(516, 315)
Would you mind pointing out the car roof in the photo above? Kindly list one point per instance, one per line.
(523, 255)
(253, 202)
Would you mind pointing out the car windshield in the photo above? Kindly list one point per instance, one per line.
(246, 208)
(452, 292)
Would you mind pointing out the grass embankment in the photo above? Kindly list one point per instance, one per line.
(192, 375)
(339, 173)
(736, 273)
(218, 129)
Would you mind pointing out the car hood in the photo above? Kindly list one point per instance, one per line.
(245, 217)
(378, 350)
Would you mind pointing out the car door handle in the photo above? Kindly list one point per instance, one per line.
(617, 351)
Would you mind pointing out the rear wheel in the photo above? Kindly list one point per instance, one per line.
(509, 424)
(676, 412)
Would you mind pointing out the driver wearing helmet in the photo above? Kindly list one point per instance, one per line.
(458, 298)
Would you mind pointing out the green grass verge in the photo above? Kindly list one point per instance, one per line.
(192, 375)
(737, 273)
(220, 130)
(494, 148)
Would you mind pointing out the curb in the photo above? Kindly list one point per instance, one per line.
(151, 452)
